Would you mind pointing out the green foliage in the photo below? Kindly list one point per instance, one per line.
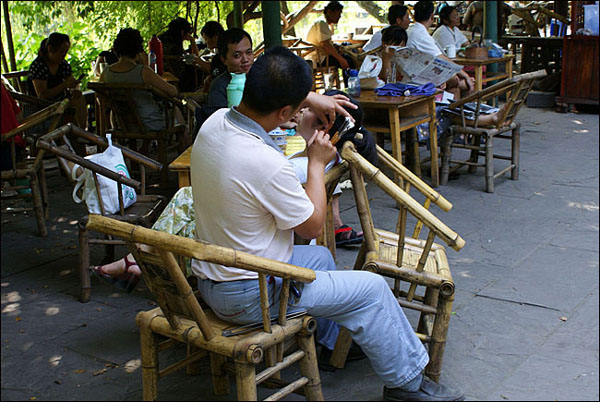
(93, 25)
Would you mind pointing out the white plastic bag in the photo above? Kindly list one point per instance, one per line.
(112, 159)
(369, 72)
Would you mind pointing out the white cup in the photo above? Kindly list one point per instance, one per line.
(451, 51)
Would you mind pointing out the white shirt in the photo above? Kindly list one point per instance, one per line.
(318, 32)
(419, 39)
(444, 37)
(246, 194)
(374, 42)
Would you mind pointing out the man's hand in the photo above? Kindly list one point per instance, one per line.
(320, 149)
(325, 107)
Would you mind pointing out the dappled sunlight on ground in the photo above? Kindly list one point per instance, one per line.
(588, 206)
(133, 365)
(55, 360)
(52, 311)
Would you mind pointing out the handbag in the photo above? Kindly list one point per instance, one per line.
(112, 159)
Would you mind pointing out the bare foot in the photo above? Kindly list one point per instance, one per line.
(118, 267)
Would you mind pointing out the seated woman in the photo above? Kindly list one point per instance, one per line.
(51, 77)
(106, 58)
(448, 34)
(211, 32)
(128, 46)
(178, 31)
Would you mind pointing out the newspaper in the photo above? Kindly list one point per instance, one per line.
(421, 68)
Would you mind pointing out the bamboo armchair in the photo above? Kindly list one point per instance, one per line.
(118, 100)
(319, 72)
(423, 262)
(144, 212)
(32, 168)
(505, 128)
(182, 318)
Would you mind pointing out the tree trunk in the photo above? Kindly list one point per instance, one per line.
(11, 47)
(374, 10)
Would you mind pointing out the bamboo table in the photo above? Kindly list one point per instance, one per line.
(478, 67)
(404, 112)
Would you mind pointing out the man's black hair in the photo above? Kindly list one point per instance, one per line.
(231, 36)
(423, 10)
(445, 13)
(396, 11)
(277, 78)
(333, 6)
(212, 28)
(394, 35)
(177, 25)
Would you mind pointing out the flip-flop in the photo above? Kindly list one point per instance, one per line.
(126, 280)
(342, 239)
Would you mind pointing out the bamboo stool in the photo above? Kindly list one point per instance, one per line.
(144, 212)
(506, 128)
(33, 168)
(181, 318)
(423, 262)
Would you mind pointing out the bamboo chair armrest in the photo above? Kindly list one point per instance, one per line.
(102, 142)
(30, 99)
(86, 163)
(371, 172)
(38, 117)
(198, 249)
(15, 74)
(497, 88)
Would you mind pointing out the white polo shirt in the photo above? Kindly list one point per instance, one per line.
(444, 36)
(246, 193)
(419, 39)
(318, 32)
(374, 42)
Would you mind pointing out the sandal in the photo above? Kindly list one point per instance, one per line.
(126, 280)
(345, 236)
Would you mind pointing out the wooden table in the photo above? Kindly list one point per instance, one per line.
(404, 113)
(478, 66)
(181, 165)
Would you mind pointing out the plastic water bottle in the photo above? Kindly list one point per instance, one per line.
(353, 83)
(152, 61)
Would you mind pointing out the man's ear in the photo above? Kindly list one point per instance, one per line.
(285, 113)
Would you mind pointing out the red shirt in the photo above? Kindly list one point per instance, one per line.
(10, 109)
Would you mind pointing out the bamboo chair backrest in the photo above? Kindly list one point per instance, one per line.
(409, 179)
(166, 280)
(359, 166)
(17, 79)
(120, 100)
(519, 86)
(53, 112)
(48, 142)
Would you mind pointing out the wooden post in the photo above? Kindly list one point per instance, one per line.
(11, 47)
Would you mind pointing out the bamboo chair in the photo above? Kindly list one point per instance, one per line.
(144, 212)
(506, 128)
(320, 72)
(181, 318)
(423, 262)
(118, 100)
(32, 168)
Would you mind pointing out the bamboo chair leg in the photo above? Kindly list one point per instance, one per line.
(341, 349)
(193, 368)
(37, 205)
(446, 157)
(220, 378)
(163, 158)
(149, 351)
(245, 378)
(426, 320)
(514, 150)
(84, 262)
(310, 368)
(44, 186)
(438, 337)
(489, 164)
(474, 153)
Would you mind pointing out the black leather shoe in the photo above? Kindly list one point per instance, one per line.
(428, 391)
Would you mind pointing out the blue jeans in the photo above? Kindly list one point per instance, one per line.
(360, 301)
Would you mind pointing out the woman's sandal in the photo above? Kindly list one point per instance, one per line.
(126, 280)
(345, 236)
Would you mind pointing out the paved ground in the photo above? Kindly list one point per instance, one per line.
(526, 312)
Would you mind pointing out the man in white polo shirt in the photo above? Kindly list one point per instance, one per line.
(419, 39)
(247, 197)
